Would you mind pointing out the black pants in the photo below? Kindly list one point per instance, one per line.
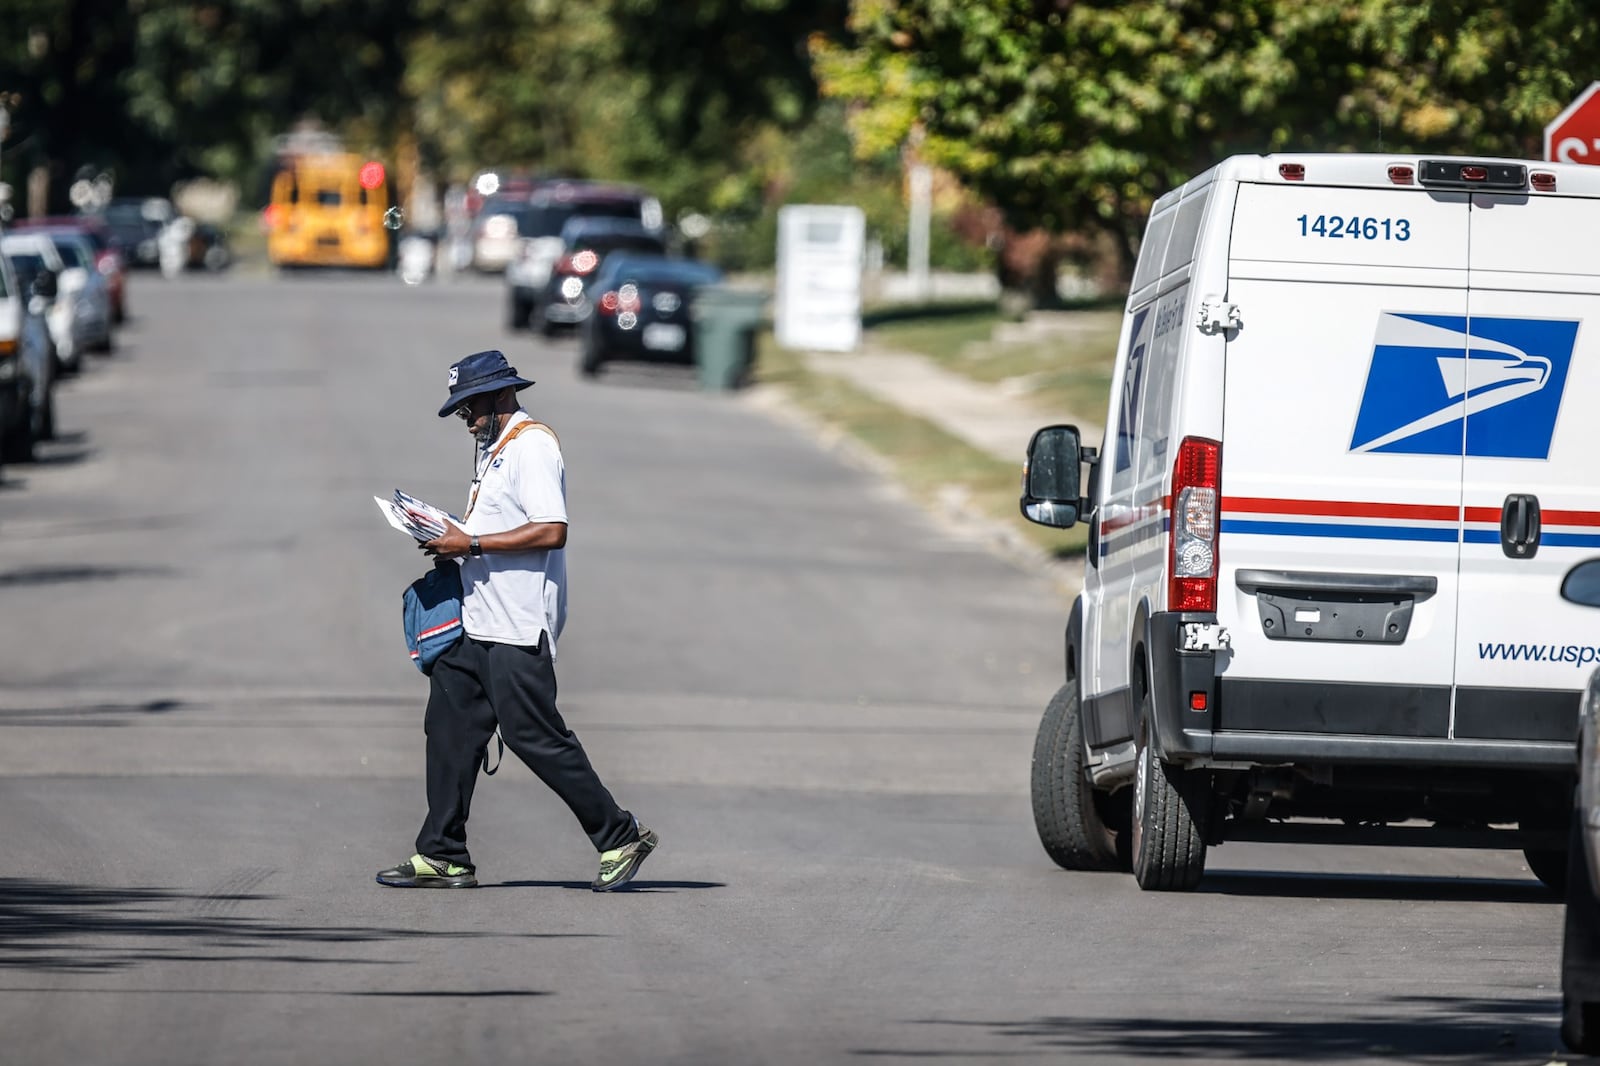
(476, 684)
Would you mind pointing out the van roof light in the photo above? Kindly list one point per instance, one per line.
(1543, 181)
(1456, 174)
(1292, 171)
(1401, 174)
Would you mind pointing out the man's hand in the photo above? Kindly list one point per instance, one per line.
(453, 542)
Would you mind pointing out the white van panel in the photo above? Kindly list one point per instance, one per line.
(1534, 361)
(1396, 227)
(1308, 485)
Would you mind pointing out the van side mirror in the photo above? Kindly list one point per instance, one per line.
(1582, 584)
(1051, 482)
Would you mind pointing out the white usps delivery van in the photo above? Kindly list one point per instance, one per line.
(1350, 458)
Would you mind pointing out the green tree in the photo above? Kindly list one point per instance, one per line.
(1074, 115)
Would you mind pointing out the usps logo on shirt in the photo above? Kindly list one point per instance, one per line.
(1502, 378)
(455, 374)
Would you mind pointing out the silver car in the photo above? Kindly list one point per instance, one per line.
(80, 315)
(27, 369)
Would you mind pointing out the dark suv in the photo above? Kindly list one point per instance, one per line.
(539, 224)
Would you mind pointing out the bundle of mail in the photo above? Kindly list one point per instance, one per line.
(410, 515)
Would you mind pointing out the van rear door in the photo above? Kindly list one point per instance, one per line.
(1341, 495)
(1530, 488)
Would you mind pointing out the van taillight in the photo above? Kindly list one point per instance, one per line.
(1196, 491)
(1401, 174)
(1292, 171)
(1542, 181)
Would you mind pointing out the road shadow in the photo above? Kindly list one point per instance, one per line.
(111, 714)
(1403, 887)
(60, 927)
(631, 886)
(1408, 1029)
(29, 577)
(669, 377)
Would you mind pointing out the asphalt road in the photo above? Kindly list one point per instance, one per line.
(210, 738)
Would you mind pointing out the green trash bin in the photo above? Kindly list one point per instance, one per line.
(725, 321)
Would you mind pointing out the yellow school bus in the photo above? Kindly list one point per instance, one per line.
(327, 210)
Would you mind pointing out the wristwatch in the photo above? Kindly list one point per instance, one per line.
(476, 549)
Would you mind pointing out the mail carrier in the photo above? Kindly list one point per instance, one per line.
(1349, 460)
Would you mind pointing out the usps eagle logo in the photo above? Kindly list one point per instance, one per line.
(1454, 385)
(455, 375)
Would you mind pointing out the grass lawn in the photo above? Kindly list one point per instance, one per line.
(926, 459)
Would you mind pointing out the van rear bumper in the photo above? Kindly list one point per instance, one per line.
(1201, 717)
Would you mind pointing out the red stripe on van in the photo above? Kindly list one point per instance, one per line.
(1343, 508)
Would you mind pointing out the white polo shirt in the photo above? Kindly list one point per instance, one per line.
(515, 597)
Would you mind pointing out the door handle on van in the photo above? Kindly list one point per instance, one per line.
(1519, 526)
(1417, 586)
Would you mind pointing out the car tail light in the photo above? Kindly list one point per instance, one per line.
(1292, 171)
(583, 262)
(1196, 491)
(1401, 174)
(108, 262)
(1542, 180)
(624, 300)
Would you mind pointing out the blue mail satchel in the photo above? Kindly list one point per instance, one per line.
(431, 610)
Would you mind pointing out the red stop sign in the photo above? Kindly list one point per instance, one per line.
(1574, 137)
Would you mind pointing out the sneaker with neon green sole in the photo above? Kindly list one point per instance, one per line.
(419, 871)
(618, 865)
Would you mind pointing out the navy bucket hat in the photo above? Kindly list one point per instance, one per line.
(478, 373)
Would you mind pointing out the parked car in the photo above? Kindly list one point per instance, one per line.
(539, 244)
(27, 364)
(135, 223)
(110, 258)
(185, 244)
(586, 242)
(79, 315)
(1580, 947)
(497, 230)
(641, 310)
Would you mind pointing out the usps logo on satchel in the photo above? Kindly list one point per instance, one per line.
(1450, 385)
(431, 613)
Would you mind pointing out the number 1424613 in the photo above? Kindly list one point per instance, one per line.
(1355, 227)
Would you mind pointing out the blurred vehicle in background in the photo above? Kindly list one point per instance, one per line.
(514, 184)
(539, 244)
(79, 315)
(497, 230)
(641, 310)
(185, 244)
(109, 257)
(27, 363)
(327, 210)
(585, 243)
(135, 223)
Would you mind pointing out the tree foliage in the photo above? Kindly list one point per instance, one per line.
(1076, 113)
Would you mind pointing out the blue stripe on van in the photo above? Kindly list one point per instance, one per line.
(1319, 529)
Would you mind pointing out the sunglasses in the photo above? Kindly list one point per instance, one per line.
(464, 412)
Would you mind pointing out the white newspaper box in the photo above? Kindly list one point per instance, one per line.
(818, 303)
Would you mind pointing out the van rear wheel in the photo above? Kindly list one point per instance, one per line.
(1065, 812)
(1171, 814)
(1548, 866)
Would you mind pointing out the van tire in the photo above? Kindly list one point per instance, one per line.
(1065, 814)
(1580, 1025)
(1171, 816)
(1548, 866)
